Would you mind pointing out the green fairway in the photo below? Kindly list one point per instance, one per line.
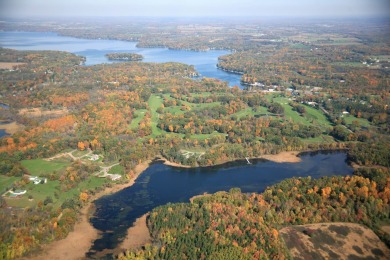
(290, 113)
(140, 115)
(155, 102)
(40, 166)
(174, 110)
(317, 117)
(319, 139)
(349, 119)
(205, 136)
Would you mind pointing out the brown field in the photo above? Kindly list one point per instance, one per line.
(36, 112)
(283, 157)
(10, 65)
(11, 128)
(333, 241)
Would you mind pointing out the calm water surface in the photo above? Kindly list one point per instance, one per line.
(160, 184)
(94, 51)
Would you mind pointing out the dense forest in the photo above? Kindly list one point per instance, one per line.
(124, 56)
(233, 225)
(307, 90)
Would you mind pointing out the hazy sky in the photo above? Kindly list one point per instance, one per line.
(304, 8)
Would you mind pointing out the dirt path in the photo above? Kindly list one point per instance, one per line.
(61, 155)
(106, 169)
(70, 154)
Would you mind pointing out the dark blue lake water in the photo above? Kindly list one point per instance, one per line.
(94, 50)
(160, 184)
(3, 132)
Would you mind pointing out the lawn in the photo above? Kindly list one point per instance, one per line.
(6, 182)
(117, 169)
(38, 167)
(40, 192)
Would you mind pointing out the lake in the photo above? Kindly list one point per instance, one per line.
(161, 184)
(94, 51)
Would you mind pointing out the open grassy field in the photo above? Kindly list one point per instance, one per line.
(6, 182)
(38, 167)
(53, 190)
(117, 169)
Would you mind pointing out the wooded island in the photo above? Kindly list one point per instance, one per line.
(124, 56)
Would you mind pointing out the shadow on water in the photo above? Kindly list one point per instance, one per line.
(161, 184)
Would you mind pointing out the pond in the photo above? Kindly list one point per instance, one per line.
(161, 184)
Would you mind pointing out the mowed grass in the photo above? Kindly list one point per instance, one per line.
(53, 190)
(155, 102)
(174, 110)
(39, 166)
(6, 182)
(250, 112)
(140, 115)
(349, 119)
(206, 136)
(117, 169)
(317, 117)
(319, 139)
(290, 113)
(312, 116)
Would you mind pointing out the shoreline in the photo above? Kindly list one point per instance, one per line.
(83, 228)
(11, 127)
(137, 235)
(78, 242)
(282, 157)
